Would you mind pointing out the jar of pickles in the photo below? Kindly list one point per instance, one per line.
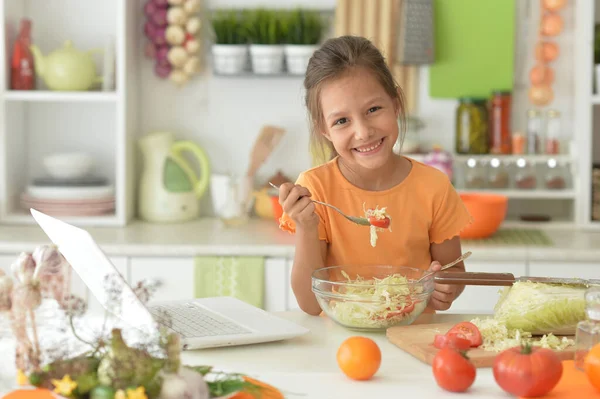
(500, 120)
(472, 135)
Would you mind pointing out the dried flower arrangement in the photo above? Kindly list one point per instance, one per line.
(109, 368)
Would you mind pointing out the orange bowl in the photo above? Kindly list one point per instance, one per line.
(488, 212)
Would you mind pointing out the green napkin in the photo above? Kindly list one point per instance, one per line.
(241, 277)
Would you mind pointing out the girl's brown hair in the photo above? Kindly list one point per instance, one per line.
(335, 57)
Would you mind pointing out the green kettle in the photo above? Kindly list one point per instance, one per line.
(170, 190)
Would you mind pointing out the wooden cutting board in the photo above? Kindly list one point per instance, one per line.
(417, 340)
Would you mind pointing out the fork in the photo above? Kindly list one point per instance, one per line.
(355, 219)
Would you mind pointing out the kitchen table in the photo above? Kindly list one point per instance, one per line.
(306, 367)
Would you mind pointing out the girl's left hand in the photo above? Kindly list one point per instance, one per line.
(443, 294)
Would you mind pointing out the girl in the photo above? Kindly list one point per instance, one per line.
(354, 105)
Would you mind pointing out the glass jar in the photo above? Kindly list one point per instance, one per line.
(500, 133)
(552, 132)
(534, 131)
(525, 178)
(475, 174)
(587, 334)
(556, 176)
(472, 136)
(409, 143)
(498, 176)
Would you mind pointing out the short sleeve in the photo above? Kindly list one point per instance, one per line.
(450, 217)
(287, 224)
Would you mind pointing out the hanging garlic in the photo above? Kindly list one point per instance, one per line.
(192, 46)
(191, 6)
(193, 25)
(178, 77)
(177, 56)
(175, 35)
(192, 66)
(176, 16)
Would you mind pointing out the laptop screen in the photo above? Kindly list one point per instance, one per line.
(93, 267)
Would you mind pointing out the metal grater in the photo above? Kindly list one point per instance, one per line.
(415, 41)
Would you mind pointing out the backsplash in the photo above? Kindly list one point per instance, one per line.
(224, 114)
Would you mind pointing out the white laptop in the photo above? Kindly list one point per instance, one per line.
(201, 323)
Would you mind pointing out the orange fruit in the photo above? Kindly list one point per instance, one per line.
(359, 358)
(592, 366)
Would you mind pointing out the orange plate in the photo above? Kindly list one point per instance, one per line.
(573, 385)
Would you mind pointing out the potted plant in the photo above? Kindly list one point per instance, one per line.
(303, 30)
(264, 30)
(230, 48)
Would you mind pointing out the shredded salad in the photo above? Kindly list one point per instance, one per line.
(376, 303)
(379, 220)
(497, 337)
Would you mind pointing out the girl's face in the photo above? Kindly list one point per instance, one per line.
(360, 119)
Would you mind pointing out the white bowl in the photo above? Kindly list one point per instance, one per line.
(69, 165)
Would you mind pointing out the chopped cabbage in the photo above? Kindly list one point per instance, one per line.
(497, 337)
(378, 214)
(541, 308)
(376, 303)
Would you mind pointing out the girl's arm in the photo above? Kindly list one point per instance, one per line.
(444, 253)
(309, 256)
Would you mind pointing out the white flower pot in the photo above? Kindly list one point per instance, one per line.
(297, 57)
(266, 58)
(229, 59)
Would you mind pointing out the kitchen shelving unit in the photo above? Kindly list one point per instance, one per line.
(586, 111)
(36, 123)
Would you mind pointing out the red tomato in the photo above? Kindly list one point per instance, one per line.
(527, 371)
(470, 331)
(454, 341)
(453, 371)
(381, 223)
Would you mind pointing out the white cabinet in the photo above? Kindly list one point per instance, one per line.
(176, 275)
(292, 304)
(40, 122)
(482, 299)
(276, 284)
(564, 269)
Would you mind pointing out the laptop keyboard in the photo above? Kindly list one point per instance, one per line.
(193, 321)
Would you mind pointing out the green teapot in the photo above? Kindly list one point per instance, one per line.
(66, 68)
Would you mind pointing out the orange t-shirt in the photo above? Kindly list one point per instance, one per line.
(424, 209)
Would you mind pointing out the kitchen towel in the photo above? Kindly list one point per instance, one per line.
(240, 277)
(474, 48)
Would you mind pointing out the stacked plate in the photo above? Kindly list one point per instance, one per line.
(87, 196)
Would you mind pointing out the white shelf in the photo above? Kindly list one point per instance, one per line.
(530, 157)
(60, 96)
(24, 218)
(524, 194)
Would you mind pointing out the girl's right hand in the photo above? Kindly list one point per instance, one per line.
(296, 203)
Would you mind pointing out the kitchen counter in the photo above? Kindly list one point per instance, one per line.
(305, 367)
(208, 236)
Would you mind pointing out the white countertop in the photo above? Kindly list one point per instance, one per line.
(306, 367)
(208, 236)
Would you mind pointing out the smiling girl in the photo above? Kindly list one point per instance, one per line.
(354, 105)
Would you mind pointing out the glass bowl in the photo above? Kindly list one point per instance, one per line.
(371, 298)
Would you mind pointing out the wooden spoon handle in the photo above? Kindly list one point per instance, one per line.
(474, 278)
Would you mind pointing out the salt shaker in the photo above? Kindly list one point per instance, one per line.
(588, 331)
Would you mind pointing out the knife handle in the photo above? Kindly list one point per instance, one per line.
(474, 278)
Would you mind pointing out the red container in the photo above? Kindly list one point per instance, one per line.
(22, 74)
